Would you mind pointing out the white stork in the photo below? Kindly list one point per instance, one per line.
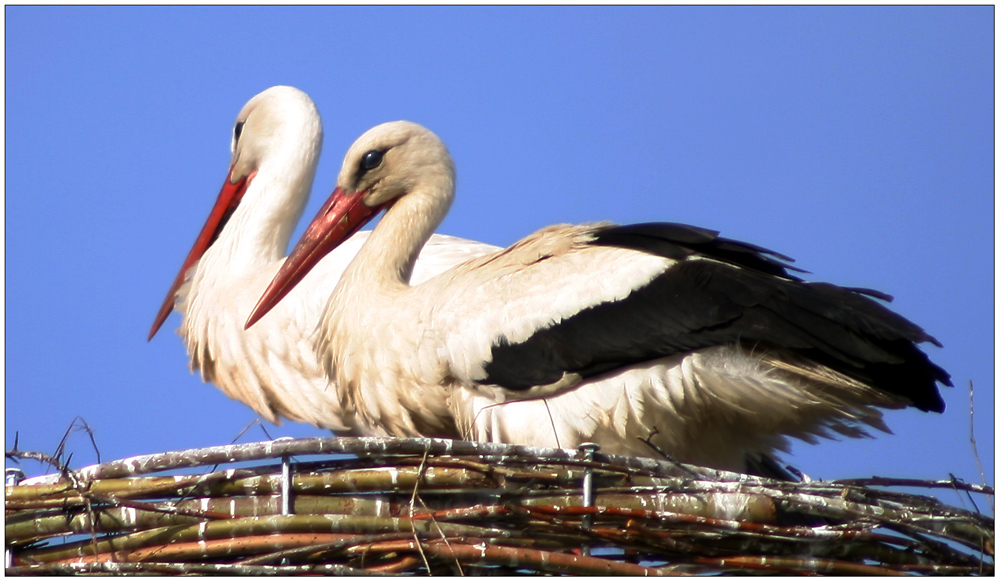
(630, 336)
(272, 368)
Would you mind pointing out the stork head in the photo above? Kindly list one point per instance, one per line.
(393, 159)
(278, 129)
(279, 124)
(387, 163)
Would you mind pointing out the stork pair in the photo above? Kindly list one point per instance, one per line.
(651, 335)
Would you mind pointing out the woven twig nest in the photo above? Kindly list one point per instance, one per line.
(369, 506)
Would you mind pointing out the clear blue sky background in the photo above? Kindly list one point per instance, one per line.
(858, 140)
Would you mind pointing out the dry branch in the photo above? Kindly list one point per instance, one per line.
(451, 507)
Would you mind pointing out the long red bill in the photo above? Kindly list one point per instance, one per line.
(341, 216)
(229, 198)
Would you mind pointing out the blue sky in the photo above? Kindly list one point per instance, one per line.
(858, 140)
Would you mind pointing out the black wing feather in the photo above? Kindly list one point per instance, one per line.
(743, 295)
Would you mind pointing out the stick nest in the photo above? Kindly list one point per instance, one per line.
(430, 506)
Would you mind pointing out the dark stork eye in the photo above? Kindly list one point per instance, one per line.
(237, 131)
(371, 160)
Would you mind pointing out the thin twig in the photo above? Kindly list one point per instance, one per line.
(649, 442)
(75, 427)
(972, 439)
(416, 538)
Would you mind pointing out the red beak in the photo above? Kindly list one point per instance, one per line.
(229, 199)
(342, 215)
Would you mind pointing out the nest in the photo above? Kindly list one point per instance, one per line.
(430, 506)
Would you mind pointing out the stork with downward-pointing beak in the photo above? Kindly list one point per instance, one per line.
(273, 368)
